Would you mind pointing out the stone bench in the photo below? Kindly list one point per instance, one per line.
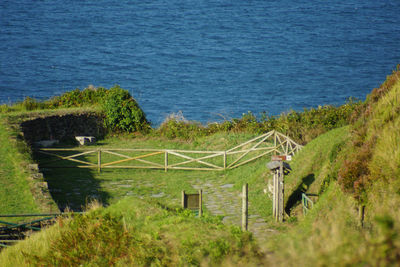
(85, 140)
(45, 143)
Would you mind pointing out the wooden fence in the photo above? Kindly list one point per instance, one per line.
(272, 142)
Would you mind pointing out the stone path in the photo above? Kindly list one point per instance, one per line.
(220, 199)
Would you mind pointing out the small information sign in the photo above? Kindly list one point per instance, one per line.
(193, 201)
(281, 157)
(278, 157)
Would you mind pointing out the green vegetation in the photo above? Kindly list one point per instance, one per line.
(139, 233)
(300, 126)
(113, 184)
(362, 171)
(122, 112)
(351, 164)
(15, 195)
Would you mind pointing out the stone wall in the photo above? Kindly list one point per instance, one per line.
(63, 127)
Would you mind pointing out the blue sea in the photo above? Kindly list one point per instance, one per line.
(211, 60)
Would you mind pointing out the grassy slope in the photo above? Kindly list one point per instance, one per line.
(135, 232)
(313, 167)
(314, 160)
(15, 194)
(331, 234)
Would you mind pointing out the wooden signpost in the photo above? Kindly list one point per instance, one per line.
(245, 207)
(278, 193)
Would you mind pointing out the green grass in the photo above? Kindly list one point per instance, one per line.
(314, 167)
(134, 232)
(88, 183)
(155, 231)
(15, 194)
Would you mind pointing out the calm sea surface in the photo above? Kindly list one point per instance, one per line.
(208, 59)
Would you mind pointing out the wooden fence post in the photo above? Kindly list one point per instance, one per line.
(274, 194)
(224, 160)
(245, 207)
(183, 199)
(361, 211)
(166, 161)
(280, 193)
(200, 202)
(99, 160)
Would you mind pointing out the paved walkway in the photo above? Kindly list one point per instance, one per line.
(219, 199)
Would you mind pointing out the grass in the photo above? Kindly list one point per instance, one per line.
(78, 186)
(15, 194)
(154, 231)
(136, 232)
(314, 168)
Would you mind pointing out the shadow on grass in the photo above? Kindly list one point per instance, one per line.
(71, 187)
(295, 197)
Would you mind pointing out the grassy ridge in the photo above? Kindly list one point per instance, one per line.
(364, 171)
(15, 194)
(139, 233)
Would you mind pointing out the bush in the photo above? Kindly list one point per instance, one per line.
(122, 112)
(76, 98)
(176, 126)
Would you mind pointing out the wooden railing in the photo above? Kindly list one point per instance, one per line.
(102, 158)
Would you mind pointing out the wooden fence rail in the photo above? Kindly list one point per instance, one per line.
(166, 159)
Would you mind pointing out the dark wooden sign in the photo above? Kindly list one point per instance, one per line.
(193, 201)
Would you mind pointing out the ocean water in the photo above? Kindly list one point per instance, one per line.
(212, 60)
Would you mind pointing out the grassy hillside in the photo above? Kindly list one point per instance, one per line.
(15, 187)
(134, 232)
(348, 170)
(355, 169)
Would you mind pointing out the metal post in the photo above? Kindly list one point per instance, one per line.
(245, 207)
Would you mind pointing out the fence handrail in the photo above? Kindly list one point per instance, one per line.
(306, 202)
(281, 144)
(8, 236)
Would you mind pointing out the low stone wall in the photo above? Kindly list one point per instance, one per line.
(63, 127)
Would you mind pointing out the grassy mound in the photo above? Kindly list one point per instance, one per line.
(15, 189)
(135, 232)
(353, 168)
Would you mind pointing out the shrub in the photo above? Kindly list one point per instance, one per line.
(176, 126)
(122, 112)
(31, 104)
(77, 98)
